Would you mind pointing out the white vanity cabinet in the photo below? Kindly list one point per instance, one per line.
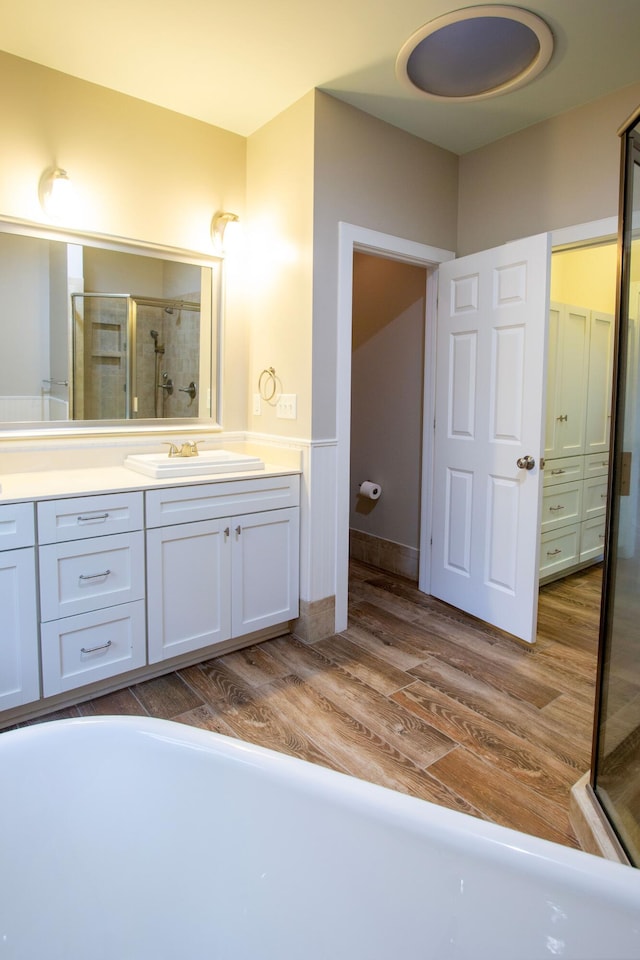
(102, 589)
(19, 661)
(222, 562)
(92, 588)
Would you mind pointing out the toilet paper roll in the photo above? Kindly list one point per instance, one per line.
(370, 490)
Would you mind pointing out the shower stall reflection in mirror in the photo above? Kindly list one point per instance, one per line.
(135, 357)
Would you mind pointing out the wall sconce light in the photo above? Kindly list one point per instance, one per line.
(224, 231)
(56, 193)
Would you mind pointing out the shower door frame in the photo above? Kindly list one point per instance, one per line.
(619, 475)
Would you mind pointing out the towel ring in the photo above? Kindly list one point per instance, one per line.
(267, 384)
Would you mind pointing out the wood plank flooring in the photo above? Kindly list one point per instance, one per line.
(414, 695)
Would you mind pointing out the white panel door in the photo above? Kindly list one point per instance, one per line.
(571, 386)
(265, 564)
(19, 673)
(598, 421)
(491, 356)
(188, 587)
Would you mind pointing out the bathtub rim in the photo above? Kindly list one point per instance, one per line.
(448, 828)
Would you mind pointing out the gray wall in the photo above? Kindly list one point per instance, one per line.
(558, 173)
(371, 174)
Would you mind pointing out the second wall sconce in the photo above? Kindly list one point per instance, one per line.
(55, 191)
(224, 231)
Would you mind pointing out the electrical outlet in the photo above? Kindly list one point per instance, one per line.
(287, 406)
(257, 404)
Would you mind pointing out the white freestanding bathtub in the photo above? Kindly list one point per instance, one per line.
(138, 839)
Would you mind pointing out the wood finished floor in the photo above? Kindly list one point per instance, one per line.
(414, 695)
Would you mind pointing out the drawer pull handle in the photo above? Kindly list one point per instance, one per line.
(93, 518)
(94, 576)
(555, 509)
(103, 646)
(556, 472)
(603, 496)
(553, 553)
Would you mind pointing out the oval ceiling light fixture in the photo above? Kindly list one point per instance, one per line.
(475, 53)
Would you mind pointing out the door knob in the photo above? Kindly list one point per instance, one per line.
(525, 463)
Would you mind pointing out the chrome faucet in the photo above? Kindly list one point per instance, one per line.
(188, 449)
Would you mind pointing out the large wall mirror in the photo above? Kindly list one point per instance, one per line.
(105, 334)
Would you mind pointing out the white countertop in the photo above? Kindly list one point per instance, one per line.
(48, 484)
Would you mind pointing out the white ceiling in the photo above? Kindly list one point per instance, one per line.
(240, 63)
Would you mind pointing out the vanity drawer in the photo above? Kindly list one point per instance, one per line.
(81, 517)
(594, 498)
(592, 540)
(16, 526)
(211, 501)
(561, 505)
(90, 575)
(559, 549)
(91, 647)
(596, 465)
(563, 470)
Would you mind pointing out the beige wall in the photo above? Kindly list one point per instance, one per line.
(277, 269)
(140, 171)
(558, 173)
(373, 175)
(586, 277)
(386, 390)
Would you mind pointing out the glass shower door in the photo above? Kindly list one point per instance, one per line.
(616, 760)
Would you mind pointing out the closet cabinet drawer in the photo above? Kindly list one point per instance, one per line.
(592, 539)
(596, 465)
(82, 517)
(92, 646)
(212, 501)
(594, 498)
(563, 470)
(561, 505)
(91, 574)
(559, 549)
(16, 526)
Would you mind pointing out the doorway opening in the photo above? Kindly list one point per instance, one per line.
(353, 239)
(387, 374)
(578, 414)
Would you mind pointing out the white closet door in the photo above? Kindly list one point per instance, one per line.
(598, 419)
(491, 363)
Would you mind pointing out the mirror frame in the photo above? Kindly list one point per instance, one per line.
(67, 428)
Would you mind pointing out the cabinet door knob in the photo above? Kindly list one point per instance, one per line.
(238, 530)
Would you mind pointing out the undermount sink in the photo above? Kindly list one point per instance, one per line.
(207, 461)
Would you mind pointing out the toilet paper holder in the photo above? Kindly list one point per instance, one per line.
(369, 490)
